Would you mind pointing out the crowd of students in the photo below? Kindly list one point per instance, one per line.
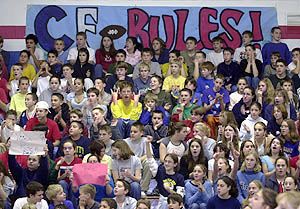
(215, 130)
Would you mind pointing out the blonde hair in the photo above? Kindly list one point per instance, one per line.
(29, 206)
(257, 167)
(52, 191)
(89, 189)
(202, 127)
(150, 96)
(291, 197)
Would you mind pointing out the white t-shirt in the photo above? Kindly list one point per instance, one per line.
(211, 163)
(39, 54)
(240, 54)
(73, 53)
(42, 84)
(235, 97)
(23, 200)
(215, 58)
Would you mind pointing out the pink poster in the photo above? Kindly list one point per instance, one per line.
(89, 173)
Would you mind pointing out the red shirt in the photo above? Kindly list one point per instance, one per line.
(65, 166)
(53, 133)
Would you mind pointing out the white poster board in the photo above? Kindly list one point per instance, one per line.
(27, 143)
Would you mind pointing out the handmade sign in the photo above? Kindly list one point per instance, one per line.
(89, 173)
(27, 143)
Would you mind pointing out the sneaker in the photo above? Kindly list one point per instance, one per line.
(143, 194)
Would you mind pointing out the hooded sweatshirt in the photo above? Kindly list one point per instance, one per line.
(250, 122)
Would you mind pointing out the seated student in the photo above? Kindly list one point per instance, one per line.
(147, 56)
(191, 84)
(105, 55)
(82, 67)
(77, 98)
(126, 109)
(34, 195)
(59, 111)
(75, 135)
(120, 57)
(240, 53)
(104, 97)
(127, 166)
(41, 80)
(137, 143)
(237, 95)
(7, 187)
(157, 130)
(28, 69)
(190, 51)
(121, 75)
(37, 170)
(17, 101)
(216, 56)
(87, 194)
(36, 54)
(150, 102)
(164, 98)
(195, 69)
(132, 49)
(30, 101)
(56, 196)
(13, 85)
(67, 83)
(92, 102)
(271, 68)
(81, 42)
(252, 68)
(206, 79)
(182, 111)
(215, 100)
(165, 68)
(9, 126)
(142, 82)
(159, 50)
(174, 143)
(108, 203)
(75, 115)
(230, 70)
(59, 46)
(121, 191)
(175, 201)
(287, 85)
(55, 66)
(42, 110)
(294, 66)
(64, 166)
(281, 73)
(174, 82)
(54, 87)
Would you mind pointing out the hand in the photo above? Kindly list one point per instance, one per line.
(148, 108)
(136, 97)
(149, 139)
(246, 128)
(201, 187)
(82, 201)
(290, 94)
(167, 187)
(235, 154)
(127, 173)
(167, 106)
(156, 126)
(220, 130)
(216, 156)
(107, 180)
(45, 150)
(31, 50)
(115, 94)
(58, 116)
(1, 176)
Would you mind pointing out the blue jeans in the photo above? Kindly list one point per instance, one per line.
(135, 190)
(124, 126)
(197, 206)
(252, 81)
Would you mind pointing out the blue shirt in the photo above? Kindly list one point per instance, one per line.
(203, 84)
(208, 98)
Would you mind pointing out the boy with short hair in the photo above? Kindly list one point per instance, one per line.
(137, 143)
(81, 42)
(17, 70)
(126, 110)
(174, 82)
(67, 83)
(275, 45)
(35, 194)
(182, 111)
(287, 85)
(280, 75)
(41, 80)
(190, 51)
(75, 134)
(294, 66)
(240, 53)
(36, 54)
(104, 97)
(173, 55)
(55, 65)
(216, 56)
(206, 79)
(215, 100)
(9, 126)
(121, 75)
(75, 115)
(175, 201)
(59, 46)
(147, 56)
(191, 84)
(54, 87)
(59, 111)
(30, 101)
(17, 101)
(271, 68)
(87, 193)
(150, 105)
(157, 130)
(106, 134)
(120, 57)
(230, 70)
(200, 58)
(142, 83)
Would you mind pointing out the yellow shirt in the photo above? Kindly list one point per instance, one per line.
(165, 67)
(120, 110)
(170, 82)
(17, 103)
(29, 72)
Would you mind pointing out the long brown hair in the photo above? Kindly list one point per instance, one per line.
(201, 158)
(125, 150)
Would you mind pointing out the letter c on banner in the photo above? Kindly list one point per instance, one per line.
(46, 41)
